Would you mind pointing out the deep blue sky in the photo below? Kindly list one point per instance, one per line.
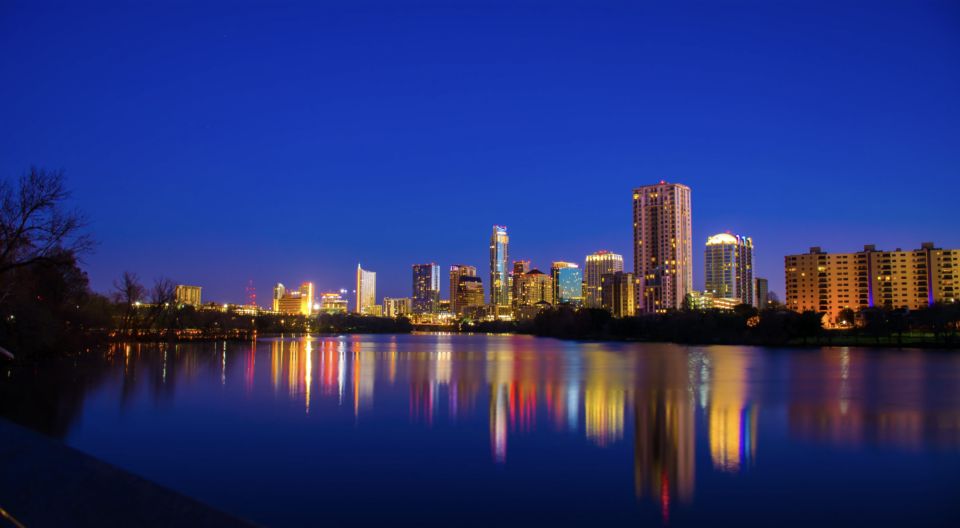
(219, 144)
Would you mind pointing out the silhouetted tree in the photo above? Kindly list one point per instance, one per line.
(35, 226)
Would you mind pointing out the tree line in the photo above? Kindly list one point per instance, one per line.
(936, 325)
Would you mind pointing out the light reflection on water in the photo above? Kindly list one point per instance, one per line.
(669, 402)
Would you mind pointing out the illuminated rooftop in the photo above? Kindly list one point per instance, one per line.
(722, 238)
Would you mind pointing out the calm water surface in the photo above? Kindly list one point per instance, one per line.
(512, 430)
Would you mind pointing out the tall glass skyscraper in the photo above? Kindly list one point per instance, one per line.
(366, 290)
(499, 274)
(567, 283)
(662, 246)
(426, 288)
(728, 267)
(598, 265)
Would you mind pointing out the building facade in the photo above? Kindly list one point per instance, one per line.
(469, 298)
(426, 288)
(520, 268)
(333, 303)
(499, 281)
(396, 306)
(761, 289)
(662, 246)
(598, 265)
(832, 282)
(567, 283)
(457, 271)
(188, 295)
(366, 291)
(728, 267)
(293, 302)
(618, 293)
(533, 287)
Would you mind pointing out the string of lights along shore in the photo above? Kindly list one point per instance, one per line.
(835, 284)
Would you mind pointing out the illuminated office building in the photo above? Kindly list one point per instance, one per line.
(293, 302)
(278, 291)
(832, 282)
(396, 307)
(426, 288)
(662, 246)
(366, 291)
(599, 264)
(188, 295)
(567, 283)
(332, 303)
(469, 299)
(457, 271)
(499, 281)
(728, 267)
(618, 293)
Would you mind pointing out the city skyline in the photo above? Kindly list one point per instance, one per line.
(809, 141)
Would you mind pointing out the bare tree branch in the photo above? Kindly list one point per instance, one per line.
(34, 226)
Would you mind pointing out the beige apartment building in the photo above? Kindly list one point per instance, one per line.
(831, 282)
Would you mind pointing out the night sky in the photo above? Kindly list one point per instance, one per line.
(217, 144)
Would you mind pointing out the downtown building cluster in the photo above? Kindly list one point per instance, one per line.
(661, 280)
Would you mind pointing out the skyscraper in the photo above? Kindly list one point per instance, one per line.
(520, 268)
(469, 296)
(599, 264)
(662, 246)
(426, 288)
(366, 290)
(728, 266)
(618, 294)
(567, 283)
(532, 287)
(499, 285)
(457, 271)
(761, 289)
(278, 291)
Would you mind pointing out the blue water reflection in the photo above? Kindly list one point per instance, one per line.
(437, 429)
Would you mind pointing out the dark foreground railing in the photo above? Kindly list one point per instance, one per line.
(45, 483)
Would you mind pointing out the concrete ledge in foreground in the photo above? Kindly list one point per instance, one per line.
(45, 483)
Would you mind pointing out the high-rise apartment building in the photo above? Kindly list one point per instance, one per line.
(662, 246)
(457, 271)
(761, 289)
(567, 283)
(366, 291)
(728, 267)
(188, 295)
(469, 298)
(597, 265)
(831, 282)
(618, 293)
(293, 302)
(395, 307)
(499, 281)
(426, 288)
(520, 268)
(533, 287)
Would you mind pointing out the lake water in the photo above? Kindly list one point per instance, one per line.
(513, 430)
